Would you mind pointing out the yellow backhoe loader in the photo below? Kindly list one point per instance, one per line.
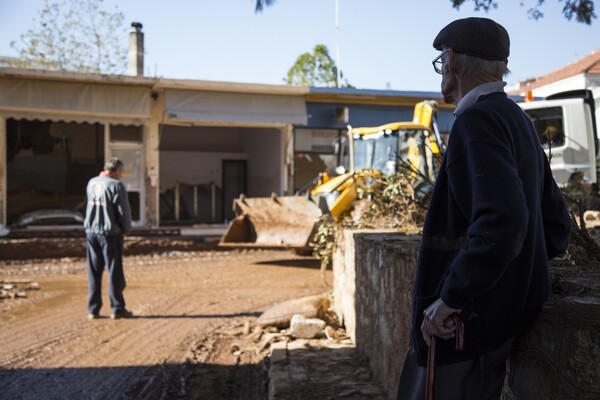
(365, 155)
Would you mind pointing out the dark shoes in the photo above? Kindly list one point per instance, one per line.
(124, 313)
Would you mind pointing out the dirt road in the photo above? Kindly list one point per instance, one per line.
(193, 322)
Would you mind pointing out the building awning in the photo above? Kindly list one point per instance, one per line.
(74, 101)
(197, 107)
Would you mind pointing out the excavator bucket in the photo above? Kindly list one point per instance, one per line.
(272, 222)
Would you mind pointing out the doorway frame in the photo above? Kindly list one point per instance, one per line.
(245, 185)
(109, 146)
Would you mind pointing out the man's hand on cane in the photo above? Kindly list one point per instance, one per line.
(437, 321)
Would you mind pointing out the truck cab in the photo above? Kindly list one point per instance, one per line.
(566, 124)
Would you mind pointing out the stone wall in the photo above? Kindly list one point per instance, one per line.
(344, 282)
(373, 277)
(558, 358)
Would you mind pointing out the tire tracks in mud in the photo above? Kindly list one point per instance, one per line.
(187, 339)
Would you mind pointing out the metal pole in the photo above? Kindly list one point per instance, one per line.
(337, 43)
(351, 148)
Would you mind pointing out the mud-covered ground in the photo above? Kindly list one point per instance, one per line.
(193, 334)
(29, 248)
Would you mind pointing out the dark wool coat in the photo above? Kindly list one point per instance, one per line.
(495, 218)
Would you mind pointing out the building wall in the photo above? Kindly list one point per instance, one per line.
(193, 167)
(265, 161)
(200, 138)
(593, 80)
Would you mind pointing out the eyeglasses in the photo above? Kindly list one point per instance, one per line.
(438, 62)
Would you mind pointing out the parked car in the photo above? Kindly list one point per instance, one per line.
(62, 218)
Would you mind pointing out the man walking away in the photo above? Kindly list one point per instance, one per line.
(107, 219)
(495, 218)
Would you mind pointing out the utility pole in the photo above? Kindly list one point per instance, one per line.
(337, 43)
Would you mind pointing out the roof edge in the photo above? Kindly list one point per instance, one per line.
(70, 76)
(237, 87)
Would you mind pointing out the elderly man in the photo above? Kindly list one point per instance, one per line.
(495, 218)
(107, 219)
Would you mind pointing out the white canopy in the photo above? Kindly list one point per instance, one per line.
(74, 101)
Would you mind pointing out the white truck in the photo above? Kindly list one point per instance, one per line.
(567, 125)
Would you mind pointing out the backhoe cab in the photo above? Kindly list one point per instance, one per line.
(365, 156)
(372, 153)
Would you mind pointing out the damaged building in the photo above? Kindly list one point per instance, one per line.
(189, 146)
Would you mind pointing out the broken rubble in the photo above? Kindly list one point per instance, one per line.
(306, 328)
(16, 288)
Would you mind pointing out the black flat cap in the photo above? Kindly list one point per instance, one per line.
(478, 37)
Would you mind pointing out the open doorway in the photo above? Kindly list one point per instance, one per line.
(49, 164)
(202, 168)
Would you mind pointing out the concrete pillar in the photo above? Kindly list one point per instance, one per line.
(153, 159)
(288, 159)
(3, 167)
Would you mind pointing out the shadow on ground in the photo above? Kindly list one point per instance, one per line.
(184, 381)
(201, 316)
(312, 263)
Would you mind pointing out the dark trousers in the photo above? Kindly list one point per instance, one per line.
(105, 251)
(481, 378)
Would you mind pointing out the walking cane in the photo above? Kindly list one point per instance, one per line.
(460, 346)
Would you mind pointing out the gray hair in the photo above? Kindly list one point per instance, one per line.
(113, 164)
(480, 68)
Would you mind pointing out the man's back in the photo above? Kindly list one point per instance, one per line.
(108, 211)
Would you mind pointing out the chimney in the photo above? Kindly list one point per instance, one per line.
(135, 55)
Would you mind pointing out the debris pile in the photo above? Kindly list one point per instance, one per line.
(577, 272)
(308, 317)
(17, 288)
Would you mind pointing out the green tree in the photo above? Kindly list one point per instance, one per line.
(74, 35)
(314, 69)
(582, 10)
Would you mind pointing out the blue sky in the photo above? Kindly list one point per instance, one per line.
(383, 43)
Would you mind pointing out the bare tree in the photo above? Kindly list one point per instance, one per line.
(75, 35)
